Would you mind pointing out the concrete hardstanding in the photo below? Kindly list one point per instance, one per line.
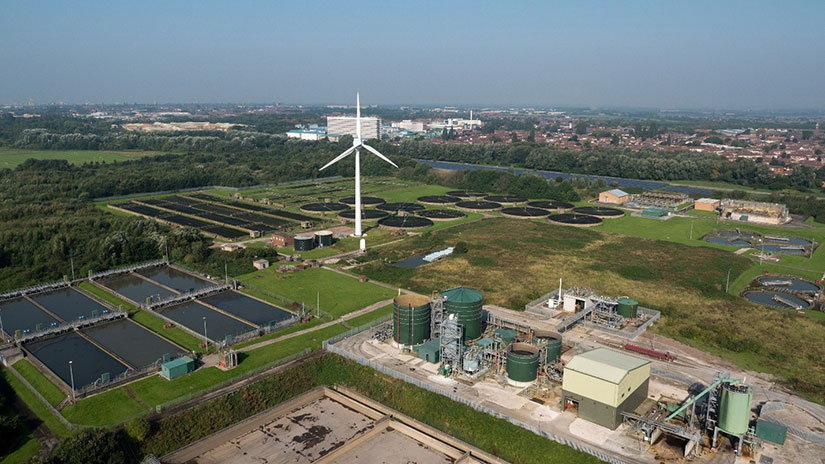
(604, 414)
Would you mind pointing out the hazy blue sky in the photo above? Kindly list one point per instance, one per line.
(709, 54)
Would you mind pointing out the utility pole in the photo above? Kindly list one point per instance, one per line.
(225, 273)
(691, 230)
(71, 258)
(71, 375)
(318, 304)
(205, 339)
(727, 281)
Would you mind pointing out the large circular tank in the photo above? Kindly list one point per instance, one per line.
(304, 242)
(324, 237)
(553, 350)
(411, 319)
(628, 307)
(522, 362)
(465, 303)
(735, 408)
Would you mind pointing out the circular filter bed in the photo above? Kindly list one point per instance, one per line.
(599, 211)
(791, 284)
(405, 222)
(324, 207)
(439, 199)
(366, 214)
(478, 205)
(525, 212)
(366, 201)
(549, 204)
(409, 207)
(776, 300)
(441, 214)
(505, 199)
(573, 219)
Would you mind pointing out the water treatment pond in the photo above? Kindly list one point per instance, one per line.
(22, 315)
(135, 288)
(770, 299)
(69, 304)
(795, 285)
(218, 326)
(249, 309)
(88, 361)
(134, 344)
(175, 279)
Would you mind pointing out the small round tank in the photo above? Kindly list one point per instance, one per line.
(470, 361)
(553, 350)
(304, 242)
(522, 362)
(411, 319)
(323, 237)
(628, 308)
(465, 303)
(735, 408)
(507, 336)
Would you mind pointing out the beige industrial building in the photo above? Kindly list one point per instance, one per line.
(345, 125)
(706, 204)
(603, 383)
(755, 211)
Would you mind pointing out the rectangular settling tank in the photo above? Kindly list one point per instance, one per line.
(246, 308)
(136, 345)
(135, 288)
(88, 361)
(175, 279)
(69, 304)
(20, 314)
(218, 326)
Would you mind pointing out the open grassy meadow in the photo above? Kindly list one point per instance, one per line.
(515, 261)
(11, 157)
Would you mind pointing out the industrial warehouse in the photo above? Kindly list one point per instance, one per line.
(578, 366)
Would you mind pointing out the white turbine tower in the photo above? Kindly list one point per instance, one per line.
(357, 144)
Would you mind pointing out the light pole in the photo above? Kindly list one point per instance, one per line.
(71, 376)
(727, 281)
(205, 339)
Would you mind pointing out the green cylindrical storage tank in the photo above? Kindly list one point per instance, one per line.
(522, 362)
(323, 237)
(553, 350)
(465, 303)
(628, 308)
(735, 408)
(411, 319)
(304, 242)
(507, 336)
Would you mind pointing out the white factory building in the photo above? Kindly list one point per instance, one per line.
(345, 125)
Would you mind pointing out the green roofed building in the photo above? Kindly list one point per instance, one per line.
(430, 351)
(603, 383)
(177, 368)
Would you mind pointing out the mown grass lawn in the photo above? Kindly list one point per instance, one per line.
(11, 157)
(339, 294)
(38, 408)
(370, 316)
(43, 385)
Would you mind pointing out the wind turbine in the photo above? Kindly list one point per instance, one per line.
(357, 144)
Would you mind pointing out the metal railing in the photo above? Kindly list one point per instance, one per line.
(126, 269)
(173, 299)
(71, 326)
(16, 293)
(255, 333)
(124, 377)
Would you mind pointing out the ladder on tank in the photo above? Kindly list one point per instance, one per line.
(437, 315)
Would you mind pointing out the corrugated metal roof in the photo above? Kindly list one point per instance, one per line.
(463, 295)
(177, 362)
(617, 192)
(608, 365)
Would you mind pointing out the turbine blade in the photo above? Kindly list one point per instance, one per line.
(339, 157)
(378, 154)
(358, 115)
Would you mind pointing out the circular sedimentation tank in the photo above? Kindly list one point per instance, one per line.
(304, 242)
(628, 308)
(509, 199)
(411, 319)
(478, 205)
(599, 211)
(735, 408)
(525, 212)
(323, 237)
(507, 336)
(405, 222)
(793, 284)
(439, 199)
(776, 299)
(366, 214)
(324, 207)
(550, 204)
(365, 201)
(522, 362)
(401, 206)
(465, 303)
(441, 214)
(576, 220)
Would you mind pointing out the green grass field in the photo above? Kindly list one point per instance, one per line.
(101, 294)
(11, 157)
(38, 408)
(339, 294)
(370, 316)
(40, 383)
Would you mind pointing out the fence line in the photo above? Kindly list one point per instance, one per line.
(288, 302)
(40, 397)
(235, 339)
(768, 407)
(172, 299)
(125, 269)
(329, 345)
